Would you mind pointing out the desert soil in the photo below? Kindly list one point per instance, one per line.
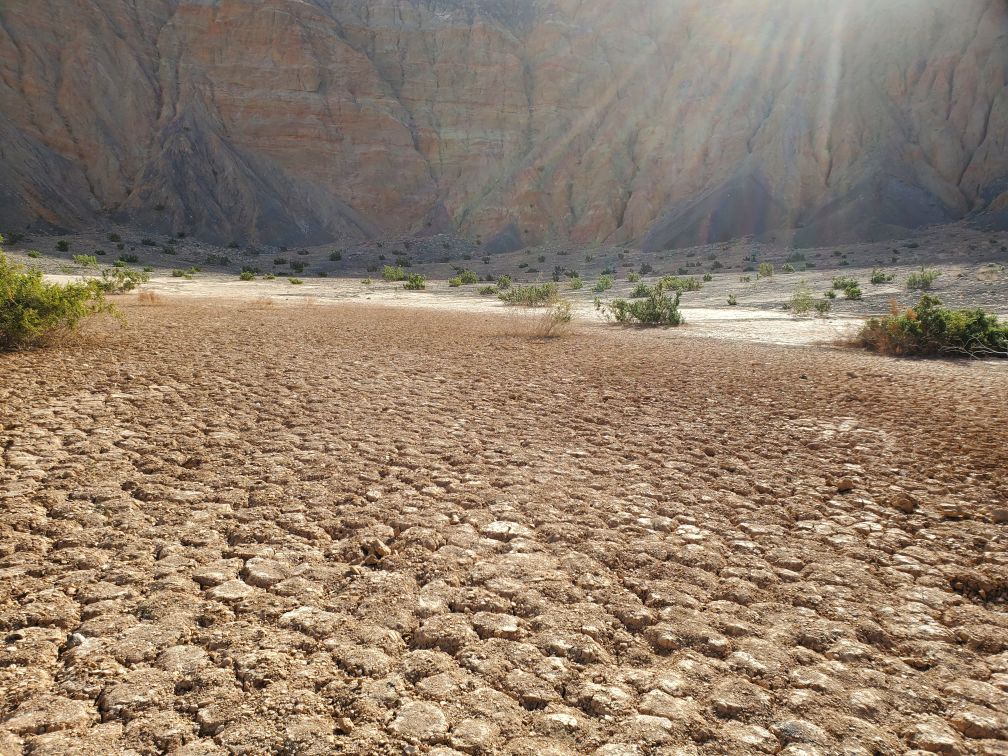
(257, 527)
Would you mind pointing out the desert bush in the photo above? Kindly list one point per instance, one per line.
(335, 256)
(504, 283)
(646, 269)
(823, 307)
(658, 309)
(555, 321)
(681, 285)
(852, 292)
(148, 242)
(88, 261)
(801, 300)
(415, 282)
(295, 281)
(879, 276)
(732, 300)
(34, 255)
(279, 260)
(605, 283)
(62, 246)
(455, 282)
(130, 259)
(469, 277)
(33, 313)
(114, 238)
(535, 295)
(187, 274)
(640, 291)
(766, 270)
(842, 282)
(575, 283)
(488, 291)
(707, 277)
(830, 294)
(922, 280)
(931, 329)
(121, 280)
(633, 277)
(393, 273)
(247, 275)
(367, 282)
(788, 268)
(269, 276)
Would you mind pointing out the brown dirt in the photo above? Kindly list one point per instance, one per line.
(346, 528)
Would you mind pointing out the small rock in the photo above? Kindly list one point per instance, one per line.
(904, 502)
(231, 591)
(845, 485)
(419, 720)
(933, 734)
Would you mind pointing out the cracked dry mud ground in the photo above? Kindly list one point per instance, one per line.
(306, 530)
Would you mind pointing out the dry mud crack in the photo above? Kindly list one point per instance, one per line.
(305, 530)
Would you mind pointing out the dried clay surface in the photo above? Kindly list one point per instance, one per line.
(251, 528)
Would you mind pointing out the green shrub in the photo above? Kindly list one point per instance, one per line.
(148, 242)
(489, 291)
(605, 283)
(469, 277)
(681, 285)
(842, 282)
(393, 273)
(658, 309)
(269, 276)
(88, 261)
(119, 264)
(295, 281)
(640, 291)
(852, 292)
(575, 283)
(114, 238)
(788, 268)
(33, 312)
(801, 300)
(187, 274)
(555, 320)
(62, 246)
(455, 282)
(922, 280)
(831, 294)
(823, 307)
(504, 283)
(931, 329)
(535, 295)
(633, 278)
(766, 270)
(367, 282)
(415, 282)
(335, 256)
(707, 277)
(122, 280)
(732, 300)
(34, 255)
(879, 276)
(279, 260)
(247, 275)
(131, 259)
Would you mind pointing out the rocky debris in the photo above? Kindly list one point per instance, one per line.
(420, 721)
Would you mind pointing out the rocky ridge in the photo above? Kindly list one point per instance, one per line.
(658, 123)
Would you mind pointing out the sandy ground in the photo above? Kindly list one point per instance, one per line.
(256, 527)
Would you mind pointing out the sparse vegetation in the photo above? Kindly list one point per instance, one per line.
(504, 283)
(658, 309)
(801, 302)
(555, 320)
(732, 300)
(575, 283)
(415, 282)
(62, 246)
(455, 282)
(879, 277)
(680, 284)
(604, 283)
(34, 254)
(633, 277)
(295, 281)
(122, 280)
(931, 329)
(640, 291)
(535, 295)
(247, 275)
(367, 282)
(849, 286)
(335, 256)
(788, 268)
(766, 270)
(469, 277)
(187, 274)
(393, 273)
(488, 291)
(86, 261)
(129, 259)
(922, 280)
(33, 313)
